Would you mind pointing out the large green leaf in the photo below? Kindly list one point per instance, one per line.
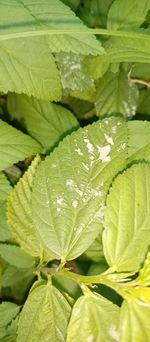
(15, 145)
(26, 62)
(28, 66)
(139, 140)
(93, 318)
(71, 184)
(15, 256)
(45, 316)
(19, 212)
(116, 94)
(127, 14)
(27, 18)
(5, 188)
(46, 122)
(127, 220)
(134, 321)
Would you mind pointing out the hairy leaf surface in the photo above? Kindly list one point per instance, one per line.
(94, 318)
(46, 122)
(15, 145)
(127, 220)
(45, 316)
(71, 185)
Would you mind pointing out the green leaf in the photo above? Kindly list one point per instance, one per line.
(127, 14)
(96, 66)
(45, 316)
(8, 314)
(46, 122)
(116, 94)
(74, 74)
(49, 18)
(5, 188)
(124, 49)
(15, 145)
(139, 140)
(144, 274)
(8, 311)
(134, 321)
(71, 184)
(15, 256)
(93, 318)
(19, 212)
(27, 65)
(144, 102)
(95, 250)
(126, 235)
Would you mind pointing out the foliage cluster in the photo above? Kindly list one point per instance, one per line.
(74, 170)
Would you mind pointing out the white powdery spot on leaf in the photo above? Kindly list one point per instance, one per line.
(114, 129)
(89, 146)
(70, 183)
(78, 150)
(74, 203)
(109, 139)
(104, 153)
(113, 332)
(76, 312)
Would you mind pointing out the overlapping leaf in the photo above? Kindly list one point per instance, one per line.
(5, 188)
(15, 256)
(116, 94)
(19, 212)
(134, 321)
(45, 316)
(127, 14)
(8, 323)
(71, 185)
(139, 140)
(94, 318)
(127, 220)
(15, 145)
(46, 122)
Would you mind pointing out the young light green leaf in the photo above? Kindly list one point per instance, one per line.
(15, 256)
(126, 235)
(116, 94)
(139, 140)
(134, 321)
(127, 14)
(45, 316)
(50, 18)
(46, 122)
(19, 212)
(15, 145)
(144, 274)
(93, 318)
(71, 184)
(5, 188)
(27, 65)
